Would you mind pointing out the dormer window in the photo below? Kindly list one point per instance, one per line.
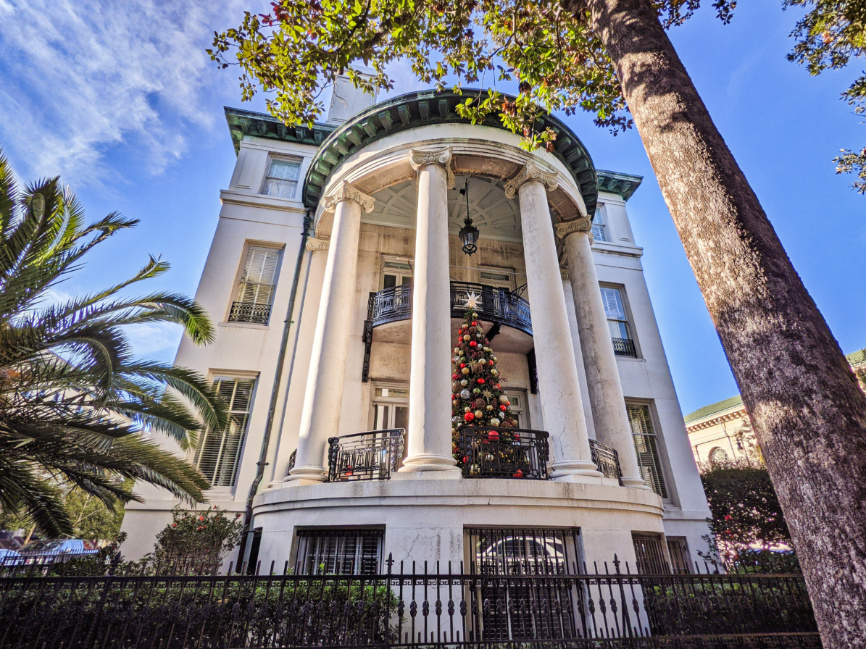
(282, 178)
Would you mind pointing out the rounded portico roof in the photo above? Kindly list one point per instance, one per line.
(425, 108)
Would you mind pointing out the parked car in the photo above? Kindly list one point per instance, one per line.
(10, 558)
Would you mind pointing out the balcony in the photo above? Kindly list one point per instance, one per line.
(498, 305)
(250, 312)
(365, 456)
(605, 459)
(624, 347)
(512, 453)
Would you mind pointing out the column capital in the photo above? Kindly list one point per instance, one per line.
(421, 157)
(583, 224)
(346, 192)
(316, 245)
(531, 171)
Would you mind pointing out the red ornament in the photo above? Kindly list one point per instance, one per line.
(468, 416)
(462, 365)
(465, 459)
(503, 408)
(474, 324)
(518, 473)
(516, 437)
(455, 376)
(473, 344)
(493, 435)
(497, 386)
(481, 381)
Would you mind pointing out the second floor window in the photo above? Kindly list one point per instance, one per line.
(282, 178)
(599, 227)
(219, 452)
(617, 321)
(647, 447)
(256, 286)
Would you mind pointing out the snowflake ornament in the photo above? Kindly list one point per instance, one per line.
(473, 300)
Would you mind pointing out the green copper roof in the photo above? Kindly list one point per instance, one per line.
(713, 408)
(618, 183)
(857, 358)
(246, 122)
(430, 107)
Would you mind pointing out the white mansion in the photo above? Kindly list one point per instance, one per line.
(339, 274)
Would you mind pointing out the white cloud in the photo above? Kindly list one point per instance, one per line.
(158, 340)
(81, 76)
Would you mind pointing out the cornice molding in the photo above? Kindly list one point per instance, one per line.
(531, 171)
(346, 192)
(317, 245)
(420, 158)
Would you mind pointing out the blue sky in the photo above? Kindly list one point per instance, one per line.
(121, 101)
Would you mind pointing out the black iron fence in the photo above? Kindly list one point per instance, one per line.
(250, 312)
(605, 459)
(624, 347)
(412, 606)
(365, 456)
(517, 453)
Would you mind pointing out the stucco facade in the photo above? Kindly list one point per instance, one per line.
(368, 258)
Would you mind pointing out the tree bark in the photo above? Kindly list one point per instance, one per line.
(807, 410)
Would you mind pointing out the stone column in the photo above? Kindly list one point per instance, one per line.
(612, 426)
(429, 434)
(320, 418)
(558, 383)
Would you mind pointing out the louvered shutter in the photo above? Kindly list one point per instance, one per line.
(646, 448)
(219, 452)
(282, 179)
(259, 276)
(598, 227)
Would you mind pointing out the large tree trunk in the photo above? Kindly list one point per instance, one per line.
(807, 410)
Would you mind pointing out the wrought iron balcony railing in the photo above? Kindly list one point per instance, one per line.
(250, 312)
(365, 456)
(624, 347)
(497, 305)
(504, 453)
(606, 459)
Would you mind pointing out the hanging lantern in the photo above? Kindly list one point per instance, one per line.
(468, 233)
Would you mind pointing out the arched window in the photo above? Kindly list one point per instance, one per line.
(718, 455)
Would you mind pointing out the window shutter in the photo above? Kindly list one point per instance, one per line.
(259, 276)
(219, 452)
(282, 179)
(598, 226)
(646, 448)
(613, 307)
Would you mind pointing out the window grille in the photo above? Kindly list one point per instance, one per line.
(617, 321)
(219, 452)
(502, 550)
(647, 448)
(718, 455)
(599, 227)
(678, 549)
(282, 178)
(339, 552)
(650, 552)
(256, 286)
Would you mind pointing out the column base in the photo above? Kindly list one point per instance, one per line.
(433, 467)
(634, 483)
(304, 475)
(576, 471)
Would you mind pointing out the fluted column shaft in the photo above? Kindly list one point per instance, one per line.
(602, 376)
(429, 434)
(558, 383)
(320, 417)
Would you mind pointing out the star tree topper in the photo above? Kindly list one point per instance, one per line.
(473, 300)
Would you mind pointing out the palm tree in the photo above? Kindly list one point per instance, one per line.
(76, 409)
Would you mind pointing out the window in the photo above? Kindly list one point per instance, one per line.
(498, 277)
(396, 273)
(219, 452)
(617, 321)
(718, 455)
(650, 552)
(282, 178)
(256, 287)
(518, 407)
(339, 552)
(507, 550)
(599, 226)
(646, 447)
(678, 549)
(390, 407)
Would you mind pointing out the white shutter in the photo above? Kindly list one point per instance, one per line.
(219, 452)
(282, 178)
(259, 276)
(612, 303)
(598, 226)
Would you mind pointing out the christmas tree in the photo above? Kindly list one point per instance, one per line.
(478, 401)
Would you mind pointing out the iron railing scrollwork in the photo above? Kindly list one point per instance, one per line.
(250, 312)
(624, 347)
(519, 453)
(373, 455)
(605, 459)
(497, 305)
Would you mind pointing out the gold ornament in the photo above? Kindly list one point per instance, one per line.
(465, 370)
(478, 414)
